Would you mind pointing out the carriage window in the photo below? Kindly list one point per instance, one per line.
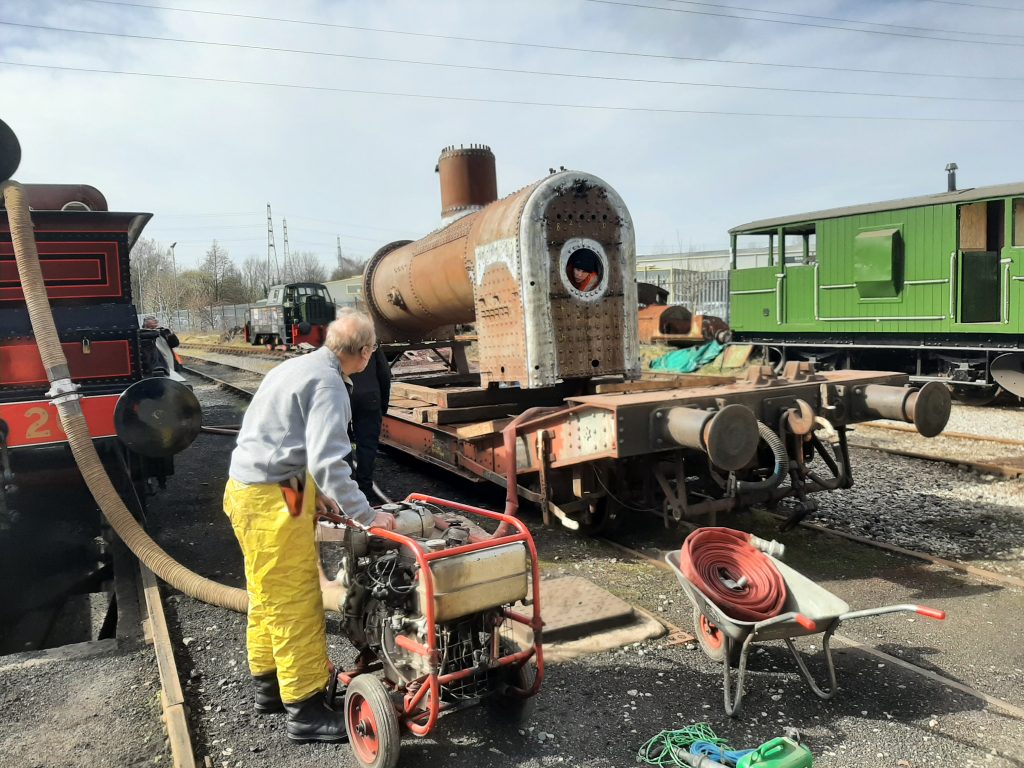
(755, 251)
(1018, 222)
(801, 245)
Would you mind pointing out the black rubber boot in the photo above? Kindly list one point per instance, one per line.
(268, 694)
(312, 720)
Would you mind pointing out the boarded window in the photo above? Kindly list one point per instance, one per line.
(973, 229)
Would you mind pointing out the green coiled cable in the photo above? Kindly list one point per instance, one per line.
(662, 749)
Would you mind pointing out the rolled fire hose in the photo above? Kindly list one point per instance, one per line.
(69, 409)
(737, 577)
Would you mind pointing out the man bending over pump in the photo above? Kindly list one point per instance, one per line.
(292, 444)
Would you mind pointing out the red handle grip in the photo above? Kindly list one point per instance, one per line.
(931, 613)
(806, 623)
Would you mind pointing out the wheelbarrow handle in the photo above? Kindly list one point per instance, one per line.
(924, 610)
(799, 618)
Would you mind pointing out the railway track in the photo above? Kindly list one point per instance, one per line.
(982, 574)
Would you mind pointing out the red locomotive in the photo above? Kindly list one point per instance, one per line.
(51, 531)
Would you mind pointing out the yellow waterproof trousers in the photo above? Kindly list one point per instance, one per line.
(286, 617)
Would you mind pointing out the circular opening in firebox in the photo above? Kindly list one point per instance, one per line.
(584, 268)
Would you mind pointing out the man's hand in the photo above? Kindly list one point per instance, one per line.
(383, 520)
(326, 505)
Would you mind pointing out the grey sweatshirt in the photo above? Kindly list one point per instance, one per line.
(298, 421)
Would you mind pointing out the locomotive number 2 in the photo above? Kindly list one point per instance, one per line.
(38, 428)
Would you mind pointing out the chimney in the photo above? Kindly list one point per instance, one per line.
(951, 177)
(468, 180)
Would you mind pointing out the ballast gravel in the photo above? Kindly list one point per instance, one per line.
(593, 711)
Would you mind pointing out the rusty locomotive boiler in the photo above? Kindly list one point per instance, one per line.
(508, 266)
(556, 410)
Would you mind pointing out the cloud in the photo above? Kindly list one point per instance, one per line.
(361, 166)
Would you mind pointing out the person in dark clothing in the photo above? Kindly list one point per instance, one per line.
(153, 358)
(371, 390)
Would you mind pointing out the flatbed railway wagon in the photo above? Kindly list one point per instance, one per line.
(554, 408)
(930, 286)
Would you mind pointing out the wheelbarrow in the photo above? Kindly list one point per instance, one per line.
(809, 609)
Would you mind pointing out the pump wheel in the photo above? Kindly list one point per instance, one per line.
(712, 640)
(506, 705)
(371, 723)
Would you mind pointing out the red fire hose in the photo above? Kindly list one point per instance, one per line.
(738, 578)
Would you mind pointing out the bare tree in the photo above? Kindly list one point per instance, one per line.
(197, 295)
(306, 267)
(216, 266)
(152, 278)
(256, 278)
(347, 267)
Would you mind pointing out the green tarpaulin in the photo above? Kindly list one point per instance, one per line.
(687, 360)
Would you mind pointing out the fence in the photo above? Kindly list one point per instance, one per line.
(702, 292)
(218, 319)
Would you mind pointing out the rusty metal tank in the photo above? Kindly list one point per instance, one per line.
(547, 274)
(468, 180)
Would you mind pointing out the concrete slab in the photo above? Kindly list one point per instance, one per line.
(582, 618)
(573, 607)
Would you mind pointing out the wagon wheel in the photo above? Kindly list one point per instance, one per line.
(713, 641)
(978, 396)
(371, 723)
(603, 518)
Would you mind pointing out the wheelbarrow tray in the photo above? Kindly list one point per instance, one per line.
(803, 596)
(804, 599)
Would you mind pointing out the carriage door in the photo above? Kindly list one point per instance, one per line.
(980, 228)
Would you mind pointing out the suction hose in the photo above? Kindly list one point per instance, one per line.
(65, 397)
(773, 441)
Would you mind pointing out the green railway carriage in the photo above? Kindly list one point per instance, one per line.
(933, 286)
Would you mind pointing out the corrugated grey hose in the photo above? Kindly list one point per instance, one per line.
(72, 421)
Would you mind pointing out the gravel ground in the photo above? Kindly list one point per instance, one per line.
(101, 711)
(1005, 419)
(931, 507)
(594, 711)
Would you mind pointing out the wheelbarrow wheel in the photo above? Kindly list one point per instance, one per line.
(371, 723)
(713, 641)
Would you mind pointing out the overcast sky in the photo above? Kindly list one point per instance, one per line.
(206, 157)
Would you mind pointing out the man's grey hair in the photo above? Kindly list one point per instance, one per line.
(350, 332)
(149, 318)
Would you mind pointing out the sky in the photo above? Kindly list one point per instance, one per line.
(340, 127)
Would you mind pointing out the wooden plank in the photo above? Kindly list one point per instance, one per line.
(171, 697)
(677, 381)
(407, 402)
(161, 638)
(435, 379)
(481, 428)
(176, 722)
(474, 413)
(452, 397)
